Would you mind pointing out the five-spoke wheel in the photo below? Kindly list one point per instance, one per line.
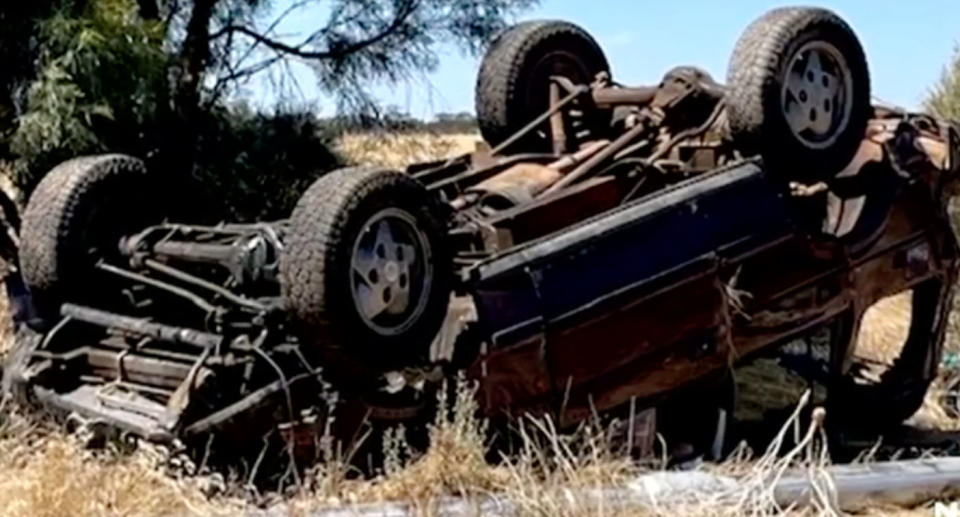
(814, 96)
(798, 93)
(366, 266)
(392, 271)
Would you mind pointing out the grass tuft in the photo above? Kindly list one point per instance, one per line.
(47, 473)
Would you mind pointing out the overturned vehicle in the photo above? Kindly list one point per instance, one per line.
(617, 245)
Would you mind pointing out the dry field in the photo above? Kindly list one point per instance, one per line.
(885, 328)
(47, 472)
(398, 150)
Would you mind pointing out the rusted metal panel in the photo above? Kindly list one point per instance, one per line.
(514, 379)
(621, 331)
(576, 204)
(627, 248)
(642, 349)
(791, 285)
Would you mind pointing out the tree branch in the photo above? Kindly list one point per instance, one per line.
(401, 16)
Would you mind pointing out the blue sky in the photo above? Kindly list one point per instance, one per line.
(907, 45)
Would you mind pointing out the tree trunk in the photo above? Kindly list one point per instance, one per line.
(194, 58)
(149, 10)
(178, 149)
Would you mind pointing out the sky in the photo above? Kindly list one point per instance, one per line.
(907, 43)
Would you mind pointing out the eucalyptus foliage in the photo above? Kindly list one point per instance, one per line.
(162, 80)
(360, 42)
(98, 86)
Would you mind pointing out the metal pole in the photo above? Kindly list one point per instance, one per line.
(141, 326)
(540, 120)
(199, 282)
(178, 291)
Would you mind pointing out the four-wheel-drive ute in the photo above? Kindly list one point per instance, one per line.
(617, 244)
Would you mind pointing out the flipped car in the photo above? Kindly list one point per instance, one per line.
(615, 245)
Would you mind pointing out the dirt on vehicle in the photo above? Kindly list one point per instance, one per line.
(616, 250)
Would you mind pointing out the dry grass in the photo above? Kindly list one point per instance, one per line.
(885, 328)
(397, 150)
(454, 464)
(6, 326)
(553, 473)
(44, 473)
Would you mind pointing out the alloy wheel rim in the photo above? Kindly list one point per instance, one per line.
(816, 94)
(391, 272)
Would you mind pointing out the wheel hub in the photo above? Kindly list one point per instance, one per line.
(816, 94)
(391, 271)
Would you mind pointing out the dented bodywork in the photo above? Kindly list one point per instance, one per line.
(688, 282)
(629, 261)
(628, 305)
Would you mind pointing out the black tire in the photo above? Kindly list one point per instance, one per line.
(317, 271)
(864, 405)
(513, 85)
(75, 217)
(757, 91)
